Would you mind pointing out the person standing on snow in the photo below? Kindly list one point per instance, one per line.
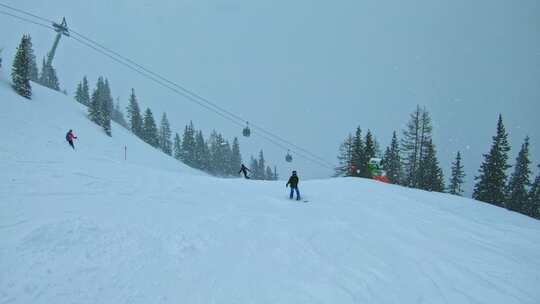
(244, 170)
(70, 137)
(293, 182)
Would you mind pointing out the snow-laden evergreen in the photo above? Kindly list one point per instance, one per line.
(82, 93)
(533, 203)
(164, 137)
(20, 72)
(32, 64)
(48, 77)
(519, 182)
(345, 158)
(392, 161)
(430, 175)
(415, 143)
(134, 115)
(491, 181)
(149, 129)
(457, 177)
(118, 116)
(177, 147)
(101, 105)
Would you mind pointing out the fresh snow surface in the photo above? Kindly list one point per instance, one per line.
(87, 226)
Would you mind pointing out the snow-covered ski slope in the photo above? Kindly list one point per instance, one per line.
(86, 226)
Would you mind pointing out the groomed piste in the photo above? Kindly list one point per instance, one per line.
(88, 226)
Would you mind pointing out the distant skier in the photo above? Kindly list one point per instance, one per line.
(293, 182)
(70, 137)
(244, 170)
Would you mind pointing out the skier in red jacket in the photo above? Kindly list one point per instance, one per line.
(70, 137)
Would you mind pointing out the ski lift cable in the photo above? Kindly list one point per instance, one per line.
(150, 77)
(187, 91)
(281, 145)
(309, 158)
(27, 20)
(183, 91)
(195, 95)
(302, 155)
(167, 86)
(26, 13)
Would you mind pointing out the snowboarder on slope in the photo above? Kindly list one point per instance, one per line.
(293, 181)
(70, 137)
(244, 170)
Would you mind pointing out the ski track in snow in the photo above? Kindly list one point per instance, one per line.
(86, 226)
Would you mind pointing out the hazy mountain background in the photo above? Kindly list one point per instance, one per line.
(312, 71)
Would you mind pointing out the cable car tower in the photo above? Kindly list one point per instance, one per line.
(60, 29)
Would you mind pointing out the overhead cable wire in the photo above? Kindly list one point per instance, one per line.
(27, 20)
(213, 104)
(25, 12)
(178, 89)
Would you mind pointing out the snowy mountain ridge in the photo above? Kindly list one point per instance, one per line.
(88, 226)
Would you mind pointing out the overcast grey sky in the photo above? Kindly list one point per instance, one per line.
(312, 71)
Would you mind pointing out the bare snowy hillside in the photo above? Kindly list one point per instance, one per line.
(87, 226)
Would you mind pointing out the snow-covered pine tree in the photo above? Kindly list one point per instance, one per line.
(533, 206)
(134, 115)
(227, 155)
(261, 166)
(202, 152)
(358, 156)
(378, 152)
(414, 145)
(150, 131)
(188, 145)
(269, 174)
(213, 150)
(490, 185)
(165, 143)
(94, 110)
(432, 178)
(345, 157)
(392, 161)
(78, 93)
(20, 72)
(177, 147)
(254, 167)
(82, 94)
(370, 151)
(106, 108)
(32, 65)
(85, 96)
(118, 115)
(48, 76)
(458, 176)
(214, 146)
(219, 154)
(275, 176)
(410, 146)
(519, 181)
(426, 142)
(236, 157)
(199, 146)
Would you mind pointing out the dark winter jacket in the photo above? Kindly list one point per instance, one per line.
(243, 169)
(293, 181)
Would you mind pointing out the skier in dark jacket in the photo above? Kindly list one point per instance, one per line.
(70, 137)
(244, 170)
(293, 182)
